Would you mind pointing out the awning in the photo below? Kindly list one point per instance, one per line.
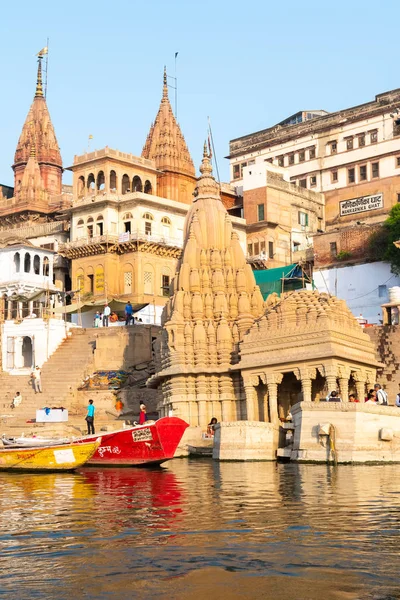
(291, 277)
(115, 305)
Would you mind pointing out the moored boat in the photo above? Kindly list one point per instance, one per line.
(32, 442)
(150, 444)
(62, 457)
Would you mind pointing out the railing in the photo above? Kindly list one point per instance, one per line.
(122, 238)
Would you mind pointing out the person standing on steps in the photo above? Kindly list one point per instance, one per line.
(128, 313)
(37, 380)
(90, 418)
(106, 315)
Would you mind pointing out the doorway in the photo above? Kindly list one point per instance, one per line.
(27, 352)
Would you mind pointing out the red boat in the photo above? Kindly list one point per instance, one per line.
(150, 444)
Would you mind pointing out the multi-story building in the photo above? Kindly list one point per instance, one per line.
(352, 156)
(281, 217)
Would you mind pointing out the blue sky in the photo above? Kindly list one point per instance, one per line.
(247, 66)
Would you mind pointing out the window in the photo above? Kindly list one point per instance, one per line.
(334, 176)
(361, 140)
(375, 169)
(398, 197)
(46, 267)
(262, 247)
(397, 161)
(349, 143)
(17, 261)
(333, 248)
(271, 250)
(244, 164)
(382, 291)
(351, 175)
(165, 285)
(148, 282)
(148, 216)
(256, 248)
(27, 263)
(91, 283)
(374, 136)
(127, 226)
(303, 219)
(312, 152)
(281, 161)
(260, 212)
(90, 231)
(291, 159)
(313, 180)
(296, 246)
(99, 225)
(127, 282)
(363, 173)
(36, 264)
(236, 171)
(302, 156)
(303, 183)
(147, 228)
(333, 147)
(250, 248)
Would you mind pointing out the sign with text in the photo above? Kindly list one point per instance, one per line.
(363, 204)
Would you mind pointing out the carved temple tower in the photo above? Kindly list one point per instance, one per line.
(166, 145)
(214, 302)
(38, 142)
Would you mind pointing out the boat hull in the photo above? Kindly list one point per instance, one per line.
(148, 444)
(63, 457)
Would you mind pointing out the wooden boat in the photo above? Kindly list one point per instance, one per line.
(62, 457)
(32, 442)
(150, 444)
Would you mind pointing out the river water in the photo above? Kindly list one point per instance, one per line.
(196, 529)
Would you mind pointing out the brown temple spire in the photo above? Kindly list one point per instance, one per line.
(38, 136)
(39, 84)
(166, 145)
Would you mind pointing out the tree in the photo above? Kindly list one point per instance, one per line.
(381, 242)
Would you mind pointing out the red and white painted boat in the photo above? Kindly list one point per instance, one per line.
(150, 444)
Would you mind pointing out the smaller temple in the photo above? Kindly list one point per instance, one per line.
(166, 145)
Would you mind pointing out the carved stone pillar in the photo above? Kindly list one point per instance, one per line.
(360, 379)
(265, 400)
(251, 396)
(344, 376)
(331, 377)
(273, 379)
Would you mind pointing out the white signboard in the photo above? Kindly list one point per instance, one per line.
(363, 204)
(64, 456)
(123, 237)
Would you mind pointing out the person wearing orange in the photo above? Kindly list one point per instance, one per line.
(142, 415)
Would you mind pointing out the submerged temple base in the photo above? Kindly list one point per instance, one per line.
(356, 433)
(245, 440)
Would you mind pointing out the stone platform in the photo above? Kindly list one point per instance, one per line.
(245, 440)
(361, 433)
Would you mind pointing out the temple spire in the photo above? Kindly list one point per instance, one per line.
(39, 84)
(165, 84)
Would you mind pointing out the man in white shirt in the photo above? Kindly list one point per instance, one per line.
(381, 395)
(37, 382)
(398, 398)
(106, 315)
(16, 400)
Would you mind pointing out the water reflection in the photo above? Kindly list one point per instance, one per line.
(137, 531)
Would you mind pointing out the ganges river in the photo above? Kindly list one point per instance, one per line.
(198, 529)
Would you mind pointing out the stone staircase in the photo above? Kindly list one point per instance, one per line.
(61, 375)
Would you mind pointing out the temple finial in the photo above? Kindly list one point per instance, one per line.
(165, 84)
(205, 152)
(39, 84)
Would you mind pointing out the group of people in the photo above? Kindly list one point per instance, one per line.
(103, 319)
(376, 395)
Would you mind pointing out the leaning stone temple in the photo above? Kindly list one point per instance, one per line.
(214, 301)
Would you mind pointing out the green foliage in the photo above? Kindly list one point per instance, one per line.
(343, 255)
(382, 242)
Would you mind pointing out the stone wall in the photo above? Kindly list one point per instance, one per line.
(124, 347)
(353, 240)
(386, 339)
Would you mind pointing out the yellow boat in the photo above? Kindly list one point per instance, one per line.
(62, 457)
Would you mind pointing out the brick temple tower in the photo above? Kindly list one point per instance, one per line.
(38, 143)
(166, 145)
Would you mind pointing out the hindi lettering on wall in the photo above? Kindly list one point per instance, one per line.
(362, 204)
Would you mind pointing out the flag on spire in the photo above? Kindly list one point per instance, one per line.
(42, 52)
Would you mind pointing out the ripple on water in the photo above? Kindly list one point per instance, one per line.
(139, 530)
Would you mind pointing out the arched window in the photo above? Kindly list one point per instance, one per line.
(166, 224)
(127, 222)
(80, 280)
(147, 187)
(256, 247)
(113, 181)
(36, 264)
(165, 281)
(137, 184)
(148, 218)
(46, 267)
(99, 225)
(27, 263)
(90, 227)
(80, 229)
(81, 186)
(148, 280)
(125, 184)
(17, 262)
(90, 182)
(100, 180)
